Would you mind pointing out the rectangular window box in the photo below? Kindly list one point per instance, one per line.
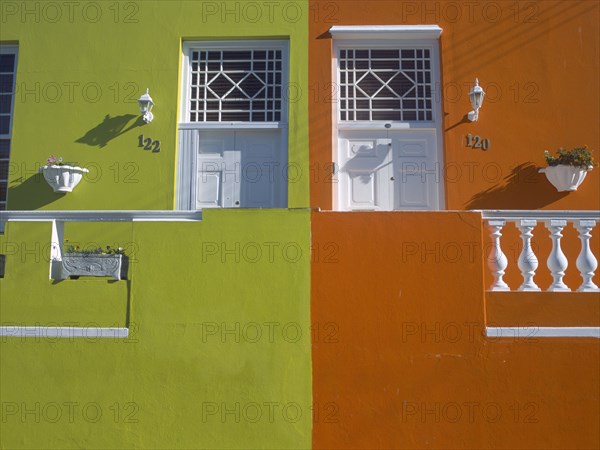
(94, 265)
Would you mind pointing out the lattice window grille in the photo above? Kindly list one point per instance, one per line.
(386, 84)
(235, 85)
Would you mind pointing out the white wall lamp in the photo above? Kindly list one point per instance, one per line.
(146, 105)
(476, 96)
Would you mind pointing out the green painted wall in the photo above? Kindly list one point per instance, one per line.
(83, 65)
(219, 355)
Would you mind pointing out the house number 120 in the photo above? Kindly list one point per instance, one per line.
(477, 142)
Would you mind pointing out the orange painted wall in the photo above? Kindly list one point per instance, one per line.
(537, 61)
(399, 358)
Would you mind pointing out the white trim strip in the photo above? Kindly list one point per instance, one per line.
(100, 216)
(63, 332)
(386, 32)
(534, 332)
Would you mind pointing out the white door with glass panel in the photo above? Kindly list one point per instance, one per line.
(388, 137)
(233, 142)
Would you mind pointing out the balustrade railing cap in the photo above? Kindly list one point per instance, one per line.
(539, 214)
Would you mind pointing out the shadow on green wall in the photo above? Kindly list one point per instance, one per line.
(110, 128)
(32, 193)
(523, 188)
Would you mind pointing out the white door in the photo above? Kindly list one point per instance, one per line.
(364, 172)
(384, 171)
(238, 168)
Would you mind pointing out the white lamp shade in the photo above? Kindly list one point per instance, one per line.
(476, 95)
(146, 102)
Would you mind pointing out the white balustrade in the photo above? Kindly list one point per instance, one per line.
(586, 261)
(528, 262)
(557, 262)
(497, 261)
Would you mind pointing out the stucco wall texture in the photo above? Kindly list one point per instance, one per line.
(402, 360)
(218, 354)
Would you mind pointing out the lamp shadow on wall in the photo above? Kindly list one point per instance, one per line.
(523, 188)
(109, 129)
(31, 193)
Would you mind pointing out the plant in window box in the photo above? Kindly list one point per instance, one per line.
(62, 176)
(98, 262)
(567, 170)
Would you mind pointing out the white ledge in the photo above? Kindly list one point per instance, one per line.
(100, 216)
(535, 332)
(231, 125)
(386, 32)
(515, 214)
(63, 332)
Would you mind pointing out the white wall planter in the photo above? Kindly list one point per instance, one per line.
(94, 265)
(63, 178)
(565, 178)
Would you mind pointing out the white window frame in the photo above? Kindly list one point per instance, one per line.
(10, 50)
(388, 37)
(189, 46)
(384, 37)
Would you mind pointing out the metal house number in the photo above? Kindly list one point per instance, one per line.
(148, 143)
(478, 142)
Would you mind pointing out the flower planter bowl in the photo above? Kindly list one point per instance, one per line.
(63, 178)
(565, 178)
(94, 265)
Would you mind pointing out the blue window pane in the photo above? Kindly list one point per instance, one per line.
(4, 124)
(5, 104)
(3, 170)
(6, 83)
(4, 148)
(7, 63)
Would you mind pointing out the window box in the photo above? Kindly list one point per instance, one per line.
(94, 265)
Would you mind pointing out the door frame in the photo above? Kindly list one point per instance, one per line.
(387, 36)
(188, 132)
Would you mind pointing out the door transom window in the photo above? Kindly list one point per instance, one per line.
(236, 85)
(385, 84)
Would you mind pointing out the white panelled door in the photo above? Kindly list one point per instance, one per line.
(384, 171)
(364, 172)
(238, 168)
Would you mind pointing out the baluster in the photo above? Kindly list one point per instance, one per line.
(557, 261)
(497, 261)
(586, 261)
(528, 262)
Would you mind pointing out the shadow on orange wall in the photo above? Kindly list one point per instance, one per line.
(523, 182)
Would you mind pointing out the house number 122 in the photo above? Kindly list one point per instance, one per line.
(148, 143)
(477, 142)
